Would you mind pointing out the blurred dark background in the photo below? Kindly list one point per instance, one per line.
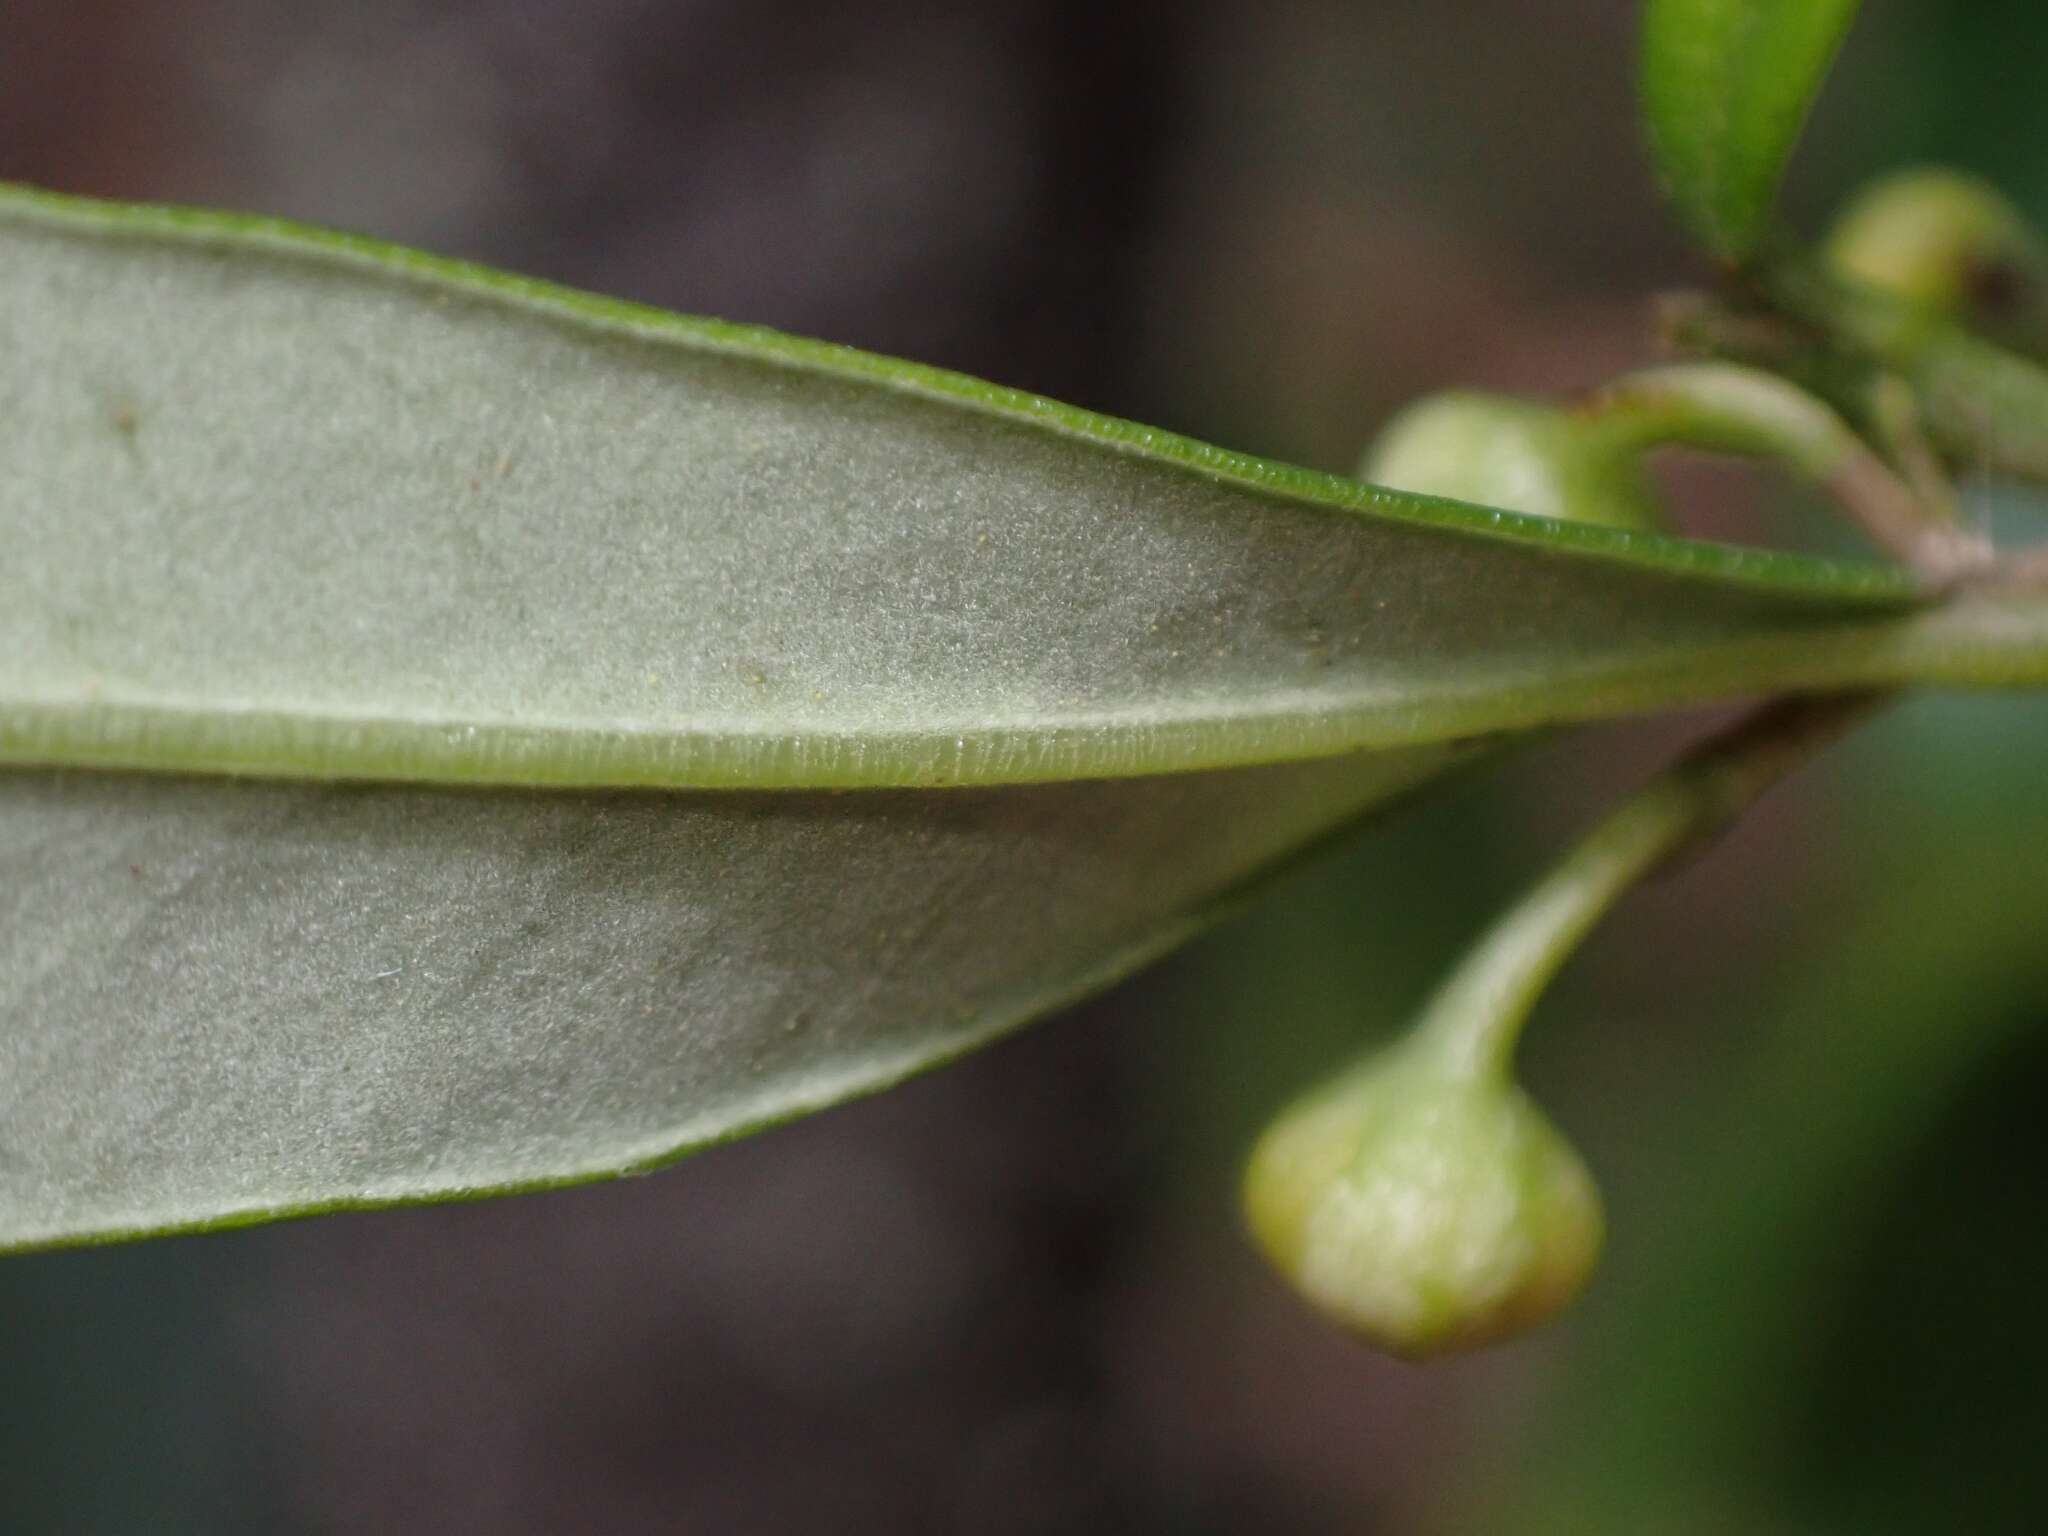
(1010, 1298)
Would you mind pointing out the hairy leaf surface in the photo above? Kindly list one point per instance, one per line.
(457, 734)
(222, 1001)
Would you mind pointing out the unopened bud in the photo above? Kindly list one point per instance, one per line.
(1424, 1209)
(1951, 244)
(1523, 455)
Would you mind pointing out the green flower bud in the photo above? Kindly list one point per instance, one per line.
(1526, 456)
(1948, 243)
(1424, 1207)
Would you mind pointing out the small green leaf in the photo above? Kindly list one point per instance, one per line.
(459, 735)
(1726, 88)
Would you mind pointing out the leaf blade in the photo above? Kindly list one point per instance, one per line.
(231, 1002)
(1726, 87)
(295, 505)
(267, 514)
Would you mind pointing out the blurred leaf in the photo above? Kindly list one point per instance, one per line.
(450, 560)
(1923, 1407)
(1726, 88)
(1692, 1408)
(136, 1347)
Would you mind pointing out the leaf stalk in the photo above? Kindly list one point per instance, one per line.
(1474, 1020)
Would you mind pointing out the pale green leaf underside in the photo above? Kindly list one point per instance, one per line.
(220, 1002)
(289, 504)
(1726, 88)
(569, 588)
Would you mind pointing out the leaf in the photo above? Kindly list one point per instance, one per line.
(428, 702)
(226, 1000)
(1726, 88)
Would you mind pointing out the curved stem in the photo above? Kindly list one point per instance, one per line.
(1472, 1023)
(1896, 423)
(1984, 404)
(1733, 409)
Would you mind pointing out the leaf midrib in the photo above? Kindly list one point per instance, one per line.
(1984, 642)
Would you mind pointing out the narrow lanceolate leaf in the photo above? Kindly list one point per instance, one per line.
(459, 735)
(1726, 89)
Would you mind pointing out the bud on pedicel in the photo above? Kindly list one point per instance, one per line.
(1948, 243)
(1424, 1207)
(1526, 456)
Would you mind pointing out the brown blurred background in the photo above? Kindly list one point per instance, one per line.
(1009, 1298)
